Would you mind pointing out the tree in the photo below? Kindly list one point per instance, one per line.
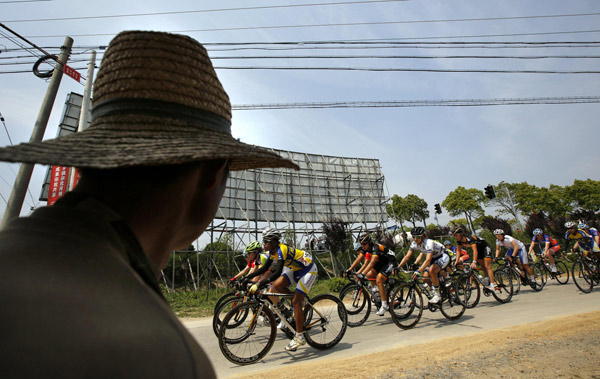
(505, 200)
(465, 202)
(492, 223)
(335, 237)
(417, 209)
(398, 210)
(584, 194)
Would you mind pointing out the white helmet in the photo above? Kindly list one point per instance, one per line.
(270, 234)
(582, 225)
(537, 231)
(498, 231)
(570, 224)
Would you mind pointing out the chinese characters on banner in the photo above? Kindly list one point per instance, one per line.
(59, 183)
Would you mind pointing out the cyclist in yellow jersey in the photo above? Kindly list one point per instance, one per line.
(293, 267)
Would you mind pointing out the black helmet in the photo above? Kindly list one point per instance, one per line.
(417, 231)
(365, 238)
(458, 231)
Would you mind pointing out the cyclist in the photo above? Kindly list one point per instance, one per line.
(437, 259)
(591, 231)
(383, 261)
(361, 254)
(482, 253)
(515, 249)
(254, 259)
(293, 267)
(460, 256)
(551, 247)
(582, 239)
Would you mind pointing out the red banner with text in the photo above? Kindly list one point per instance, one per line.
(59, 182)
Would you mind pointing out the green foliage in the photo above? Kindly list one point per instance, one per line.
(585, 194)
(410, 208)
(336, 234)
(336, 284)
(491, 223)
(464, 201)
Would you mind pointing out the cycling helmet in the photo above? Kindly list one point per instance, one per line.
(498, 231)
(570, 224)
(582, 225)
(537, 231)
(417, 231)
(365, 238)
(458, 231)
(252, 247)
(357, 246)
(446, 242)
(270, 234)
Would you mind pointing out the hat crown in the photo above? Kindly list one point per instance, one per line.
(160, 67)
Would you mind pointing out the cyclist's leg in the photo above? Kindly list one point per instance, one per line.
(280, 285)
(523, 260)
(304, 280)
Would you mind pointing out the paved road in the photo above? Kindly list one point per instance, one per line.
(380, 333)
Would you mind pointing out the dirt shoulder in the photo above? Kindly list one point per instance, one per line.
(564, 347)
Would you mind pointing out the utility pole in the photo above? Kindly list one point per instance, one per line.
(85, 108)
(512, 207)
(17, 196)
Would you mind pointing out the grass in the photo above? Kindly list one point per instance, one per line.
(191, 304)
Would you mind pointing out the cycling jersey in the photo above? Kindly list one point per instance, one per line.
(383, 253)
(507, 242)
(429, 246)
(586, 241)
(593, 232)
(464, 255)
(544, 239)
(260, 260)
(292, 258)
(483, 249)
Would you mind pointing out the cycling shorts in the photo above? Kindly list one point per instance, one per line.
(486, 253)
(442, 262)
(385, 268)
(520, 254)
(554, 248)
(302, 279)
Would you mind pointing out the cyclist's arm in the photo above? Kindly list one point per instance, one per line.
(366, 268)
(356, 261)
(531, 247)
(515, 248)
(274, 275)
(498, 249)
(419, 258)
(406, 258)
(261, 270)
(546, 248)
(426, 263)
(475, 255)
(242, 273)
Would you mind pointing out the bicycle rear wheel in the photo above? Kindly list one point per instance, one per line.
(562, 272)
(454, 300)
(504, 288)
(357, 303)
(249, 341)
(406, 305)
(515, 280)
(582, 276)
(325, 321)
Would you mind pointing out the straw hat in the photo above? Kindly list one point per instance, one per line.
(157, 101)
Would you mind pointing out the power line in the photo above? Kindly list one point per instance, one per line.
(204, 11)
(396, 69)
(423, 103)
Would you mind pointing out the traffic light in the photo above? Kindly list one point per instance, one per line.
(489, 192)
(438, 209)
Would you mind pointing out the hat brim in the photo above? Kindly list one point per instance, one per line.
(147, 141)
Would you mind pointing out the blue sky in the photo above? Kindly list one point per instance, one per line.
(427, 151)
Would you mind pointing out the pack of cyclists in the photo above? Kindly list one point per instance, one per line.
(283, 266)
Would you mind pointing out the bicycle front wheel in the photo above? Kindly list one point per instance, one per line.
(473, 291)
(538, 282)
(503, 287)
(582, 276)
(249, 341)
(454, 300)
(325, 321)
(358, 304)
(406, 306)
(222, 308)
(562, 272)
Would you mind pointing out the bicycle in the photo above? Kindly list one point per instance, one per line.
(406, 299)
(586, 272)
(357, 297)
(231, 299)
(476, 283)
(514, 274)
(562, 271)
(244, 340)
